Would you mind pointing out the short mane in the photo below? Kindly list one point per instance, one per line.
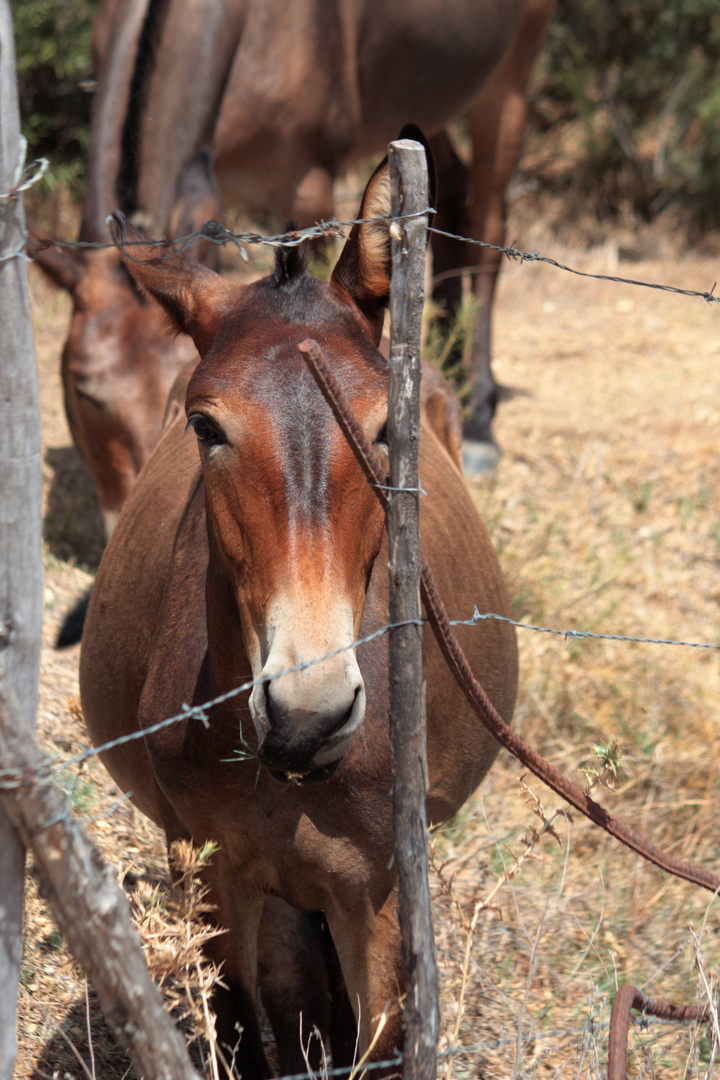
(290, 261)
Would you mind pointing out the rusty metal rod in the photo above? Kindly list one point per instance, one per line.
(474, 692)
(629, 997)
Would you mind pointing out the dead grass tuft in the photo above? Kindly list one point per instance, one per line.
(174, 929)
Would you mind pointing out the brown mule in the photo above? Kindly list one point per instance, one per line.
(250, 544)
(275, 99)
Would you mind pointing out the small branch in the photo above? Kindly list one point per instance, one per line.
(90, 908)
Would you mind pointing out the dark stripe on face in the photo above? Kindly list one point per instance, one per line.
(306, 454)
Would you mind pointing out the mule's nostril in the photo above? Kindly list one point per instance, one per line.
(324, 721)
(339, 723)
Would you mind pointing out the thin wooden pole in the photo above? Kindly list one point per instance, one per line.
(20, 515)
(89, 906)
(409, 186)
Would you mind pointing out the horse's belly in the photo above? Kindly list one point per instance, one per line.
(426, 62)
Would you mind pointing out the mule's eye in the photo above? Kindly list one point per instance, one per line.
(205, 431)
(381, 439)
(85, 396)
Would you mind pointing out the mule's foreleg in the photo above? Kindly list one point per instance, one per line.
(294, 985)
(235, 951)
(368, 944)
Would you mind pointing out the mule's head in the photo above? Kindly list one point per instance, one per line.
(294, 528)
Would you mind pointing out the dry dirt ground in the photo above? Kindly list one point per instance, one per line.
(604, 512)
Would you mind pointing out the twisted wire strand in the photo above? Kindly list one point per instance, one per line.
(218, 234)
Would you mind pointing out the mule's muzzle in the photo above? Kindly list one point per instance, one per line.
(305, 745)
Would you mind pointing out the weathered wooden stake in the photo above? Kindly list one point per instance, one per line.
(89, 906)
(409, 185)
(20, 516)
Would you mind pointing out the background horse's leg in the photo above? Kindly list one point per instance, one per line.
(449, 256)
(497, 122)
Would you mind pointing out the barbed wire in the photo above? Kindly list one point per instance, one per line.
(50, 767)
(219, 234)
(199, 712)
(515, 254)
(477, 617)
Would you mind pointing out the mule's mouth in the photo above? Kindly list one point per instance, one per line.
(324, 772)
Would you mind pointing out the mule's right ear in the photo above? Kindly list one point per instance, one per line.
(191, 294)
(65, 267)
(364, 267)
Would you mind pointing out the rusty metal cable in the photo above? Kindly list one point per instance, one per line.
(458, 663)
(629, 997)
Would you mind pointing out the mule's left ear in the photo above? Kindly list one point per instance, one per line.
(191, 294)
(364, 267)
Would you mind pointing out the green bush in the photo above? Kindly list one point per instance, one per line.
(55, 77)
(641, 82)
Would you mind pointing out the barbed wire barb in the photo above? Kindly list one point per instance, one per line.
(514, 253)
(218, 234)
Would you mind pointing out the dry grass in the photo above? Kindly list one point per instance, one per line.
(604, 514)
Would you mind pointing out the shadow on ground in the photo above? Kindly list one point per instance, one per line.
(73, 526)
(71, 1045)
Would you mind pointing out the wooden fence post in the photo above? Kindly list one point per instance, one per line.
(89, 906)
(20, 516)
(409, 185)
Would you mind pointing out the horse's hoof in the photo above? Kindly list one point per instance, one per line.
(479, 457)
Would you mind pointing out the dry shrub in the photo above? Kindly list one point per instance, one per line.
(173, 924)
